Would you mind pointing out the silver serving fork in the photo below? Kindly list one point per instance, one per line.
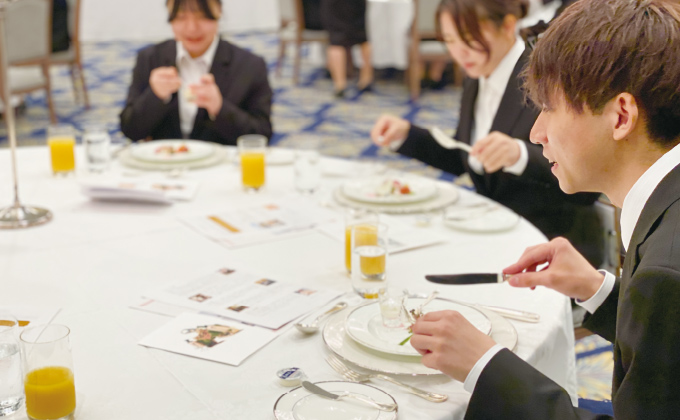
(355, 376)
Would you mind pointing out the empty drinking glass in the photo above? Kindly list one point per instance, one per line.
(307, 166)
(11, 373)
(392, 307)
(97, 147)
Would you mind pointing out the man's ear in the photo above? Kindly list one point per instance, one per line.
(625, 115)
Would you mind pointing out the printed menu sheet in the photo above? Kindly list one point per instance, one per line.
(245, 297)
(402, 235)
(210, 337)
(146, 190)
(262, 223)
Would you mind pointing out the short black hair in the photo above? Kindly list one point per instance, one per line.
(202, 6)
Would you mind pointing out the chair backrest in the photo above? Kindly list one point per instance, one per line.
(28, 30)
(426, 11)
(288, 11)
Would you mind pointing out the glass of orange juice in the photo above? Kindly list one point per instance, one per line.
(252, 149)
(355, 217)
(369, 259)
(48, 382)
(61, 139)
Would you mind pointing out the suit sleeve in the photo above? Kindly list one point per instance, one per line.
(143, 110)
(252, 116)
(603, 321)
(509, 388)
(421, 145)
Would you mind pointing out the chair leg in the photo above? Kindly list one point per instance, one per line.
(414, 79)
(83, 86)
(48, 93)
(74, 82)
(296, 65)
(282, 55)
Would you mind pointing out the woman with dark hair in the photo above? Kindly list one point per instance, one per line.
(345, 21)
(482, 38)
(197, 86)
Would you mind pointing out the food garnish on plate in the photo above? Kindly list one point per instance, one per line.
(392, 187)
(169, 150)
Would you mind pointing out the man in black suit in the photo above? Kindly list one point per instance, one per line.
(607, 75)
(197, 86)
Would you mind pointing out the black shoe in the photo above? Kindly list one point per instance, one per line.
(366, 88)
(439, 85)
(340, 94)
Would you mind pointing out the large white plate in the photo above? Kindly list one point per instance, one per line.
(337, 341)
(483, 220)
(368, 190)
(149, 151)
(364, 325)
(221, 155)
(300, 404)
(447, 195)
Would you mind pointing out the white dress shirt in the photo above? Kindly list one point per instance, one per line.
(635, 201)
(190, 71)
(489, 96)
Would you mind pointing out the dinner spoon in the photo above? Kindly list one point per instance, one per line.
(314, 326)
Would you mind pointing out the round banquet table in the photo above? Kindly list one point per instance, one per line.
(95, 259)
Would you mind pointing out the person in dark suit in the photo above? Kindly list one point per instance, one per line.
(607, 76)
(481, 36)
(197, 86)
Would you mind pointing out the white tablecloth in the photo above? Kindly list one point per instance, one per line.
(95, 258)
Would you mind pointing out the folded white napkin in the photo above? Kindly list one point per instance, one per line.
(160, 191)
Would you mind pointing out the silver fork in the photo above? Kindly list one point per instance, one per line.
(355, 376)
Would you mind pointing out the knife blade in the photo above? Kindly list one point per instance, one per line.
(315, 389)
(468, 278)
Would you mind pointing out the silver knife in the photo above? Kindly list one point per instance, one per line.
(315, 389)
(468, 278)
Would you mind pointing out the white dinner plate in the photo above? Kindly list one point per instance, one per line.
(374, 190)
(447, 194)
(300, 404)
(337, 341)
(364, 325)
(495, 218)
(153, 151)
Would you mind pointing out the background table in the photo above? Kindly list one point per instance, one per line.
(95, 259)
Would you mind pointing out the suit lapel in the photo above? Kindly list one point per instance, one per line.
(467, 113)
(168, 58)
(665, 194)
(509, 110)
(220, 70)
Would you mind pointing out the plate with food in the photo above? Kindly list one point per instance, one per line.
(389, 190)
(364, 325)
(163, 151)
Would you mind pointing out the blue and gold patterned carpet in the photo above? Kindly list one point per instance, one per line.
(299, 111)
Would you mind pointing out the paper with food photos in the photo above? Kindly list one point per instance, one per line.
(268, 221)
(210, 337)
(245, 297)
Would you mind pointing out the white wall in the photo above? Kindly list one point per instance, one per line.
(108, 20)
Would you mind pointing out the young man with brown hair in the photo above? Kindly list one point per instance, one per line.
(607, 76)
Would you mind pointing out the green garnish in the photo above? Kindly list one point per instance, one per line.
(406, 340)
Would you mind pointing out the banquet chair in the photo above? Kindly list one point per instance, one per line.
(28, 36)
(293, 31)
(610, 215)
(72, 56)
(423, 45)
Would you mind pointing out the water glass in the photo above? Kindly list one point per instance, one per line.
(97, 148)
(252, 149)
(369, 259)
(49, 385)
(11, 373)
(355, 217)
(392, 307)
(61, 139)
(307, 166)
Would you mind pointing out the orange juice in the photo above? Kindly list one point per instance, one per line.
(364, 235)
(252, 169)
(50, 392)
(61, 150)
(372, 261)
